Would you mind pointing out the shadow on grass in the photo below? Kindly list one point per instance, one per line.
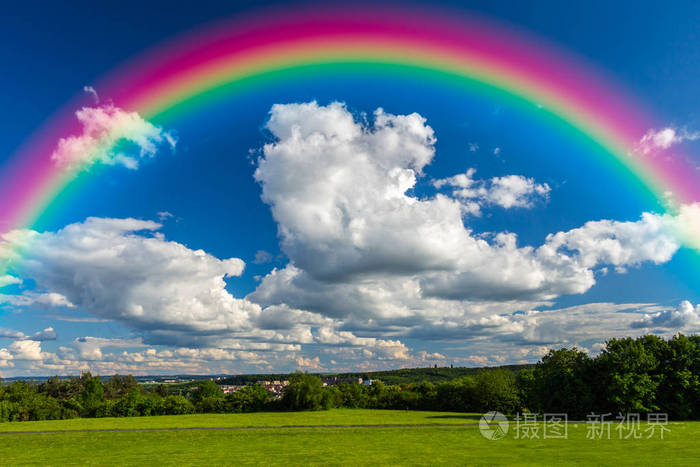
(457, 417)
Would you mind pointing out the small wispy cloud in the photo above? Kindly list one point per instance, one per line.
(90, 90)
(654, 140)
(509, 191)
(111, 136)
(262, 256)
(164, 215)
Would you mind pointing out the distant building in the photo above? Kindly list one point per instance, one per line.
(334, 381)
(275, 387)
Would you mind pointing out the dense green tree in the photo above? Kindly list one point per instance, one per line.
(678, 383)
(206, 389)
(630, 375)
(305, 392)
(161, 390)
(92, 396)
(177, 405)
(458, 395)
(496, 390)
(349, 395)
(247, 399)
(118, 386)
(563, 382)
(626, 376)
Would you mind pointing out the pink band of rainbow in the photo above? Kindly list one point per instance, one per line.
(278, 40)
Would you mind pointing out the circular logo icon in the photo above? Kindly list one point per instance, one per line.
(493, 425)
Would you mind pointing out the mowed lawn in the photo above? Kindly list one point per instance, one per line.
(331, 446)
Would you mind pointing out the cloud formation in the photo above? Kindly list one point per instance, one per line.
(371, 264)
(654, 140)
(6, 280)
(685, 317)
(509, 191)
(92, 92)
(110, 136)
(106, 268)
(361, 245)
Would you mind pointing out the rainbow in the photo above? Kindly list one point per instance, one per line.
(175, 77)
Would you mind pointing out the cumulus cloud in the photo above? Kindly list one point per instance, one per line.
(685, 317)
(509, 191)
(654, 140)
(118, 269)
(370, 263)
(361, 245)
(309, 363)
(48, 334)
(686, 223)
(618, 243)
(25, 350)
(90, 348)
(124, 270)
(110, 136)
(337, 191)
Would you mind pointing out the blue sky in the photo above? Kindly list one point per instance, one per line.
(314, 299)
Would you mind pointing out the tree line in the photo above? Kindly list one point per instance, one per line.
(642, 375)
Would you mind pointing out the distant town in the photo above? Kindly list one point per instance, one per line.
(276, 387)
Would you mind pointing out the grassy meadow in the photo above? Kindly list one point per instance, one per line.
(386, 445)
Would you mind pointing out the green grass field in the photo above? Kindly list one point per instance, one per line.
(326, 445)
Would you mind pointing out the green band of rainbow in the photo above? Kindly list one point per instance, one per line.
(415, 42)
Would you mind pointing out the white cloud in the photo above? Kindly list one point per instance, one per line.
(25, 350)
(164, 216)
(90, 348)
(47, 300)
(110, 136)
(337, 191)
(119, 269)
(309, 363)
(509, 191)
(654, 140)
(10, 334)
(109, 269)
(48, 334)
(685, 317)
(686, 224)
(262, 256)
(516, 191)
(6, 359)
(370, 264)
(618, 243)
(90, 90)
(6, 280)
(360, 245)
